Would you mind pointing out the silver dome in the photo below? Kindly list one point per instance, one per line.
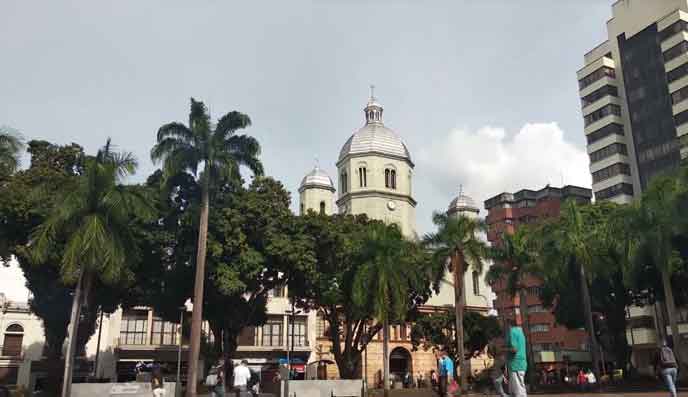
(462, 203)
(317, 178)
(374, 137)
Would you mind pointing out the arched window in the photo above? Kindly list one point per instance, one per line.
(362, 177)
(322, 208)
(476, 283)
(393, 179)
(12, 344)
(344, 182)
(387, 184)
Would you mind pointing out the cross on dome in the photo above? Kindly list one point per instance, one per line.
(373, 111)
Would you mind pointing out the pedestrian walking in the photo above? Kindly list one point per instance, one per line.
(666, 367)
(496, 371)
(242, 375)
(516, 360)
(157, 384)
(215, 381)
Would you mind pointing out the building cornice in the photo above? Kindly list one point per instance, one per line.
(376, 193)
(376, 154)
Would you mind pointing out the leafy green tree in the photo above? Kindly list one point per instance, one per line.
(91, 225)
(574, 239)
(455, 246)
(515, 264)
(389, 271)
(11, 146)
(21, 211)
(220, 152)
(435, 330)
(328, 286)
(659, 221)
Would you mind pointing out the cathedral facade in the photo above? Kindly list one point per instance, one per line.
(375, 177)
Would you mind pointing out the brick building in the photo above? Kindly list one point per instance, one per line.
(552, 344)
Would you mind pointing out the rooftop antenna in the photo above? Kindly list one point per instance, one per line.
(372, 91)
(460, 189)
(317, 163)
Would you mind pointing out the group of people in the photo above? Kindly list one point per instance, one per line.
(242, 379)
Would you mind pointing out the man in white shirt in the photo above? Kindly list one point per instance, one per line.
(242, 375)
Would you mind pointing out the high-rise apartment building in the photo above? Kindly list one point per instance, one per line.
(633, 91)
(555, 347)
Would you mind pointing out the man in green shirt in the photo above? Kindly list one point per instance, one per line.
(516, 360)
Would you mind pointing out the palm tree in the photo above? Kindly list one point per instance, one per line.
(218, 151)
(92, 220)
(515, 254)
(575, 238)
(455, 245)
(659, 219)
(385, 279)
(10, 146)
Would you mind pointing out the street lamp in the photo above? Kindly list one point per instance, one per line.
(188, 307)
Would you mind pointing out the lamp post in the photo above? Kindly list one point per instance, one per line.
(188, 307)
(365, 339)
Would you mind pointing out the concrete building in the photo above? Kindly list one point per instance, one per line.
(375, 175)
(554, 346)
(633, 90)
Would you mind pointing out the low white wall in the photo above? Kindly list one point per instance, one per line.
(323, 388)
(132, 389)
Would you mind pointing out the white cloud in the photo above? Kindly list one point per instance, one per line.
(490, 161)
(12, 282)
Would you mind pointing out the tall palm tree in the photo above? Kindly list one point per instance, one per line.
(218, 152)
(515, 255)
(92, 220)
(455, 245)
(575, 238)
(385, 280)
(660, 217)
(10, 146)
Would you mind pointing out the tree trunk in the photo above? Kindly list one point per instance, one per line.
(197, 315)
(385, 356)
(525, 322)
(459, 307)
(671, 312)
(71, 339)
(587, 307)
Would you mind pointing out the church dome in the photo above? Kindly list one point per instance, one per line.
(318, 179)
(462, 203)
(374, 137)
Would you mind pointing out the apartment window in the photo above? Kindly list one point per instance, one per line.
(607, 130)
(322, 208)
(680, 95)
(602, 112)
(676, 27)
(613, 191)
(12, 342)
(612, 170)
(681, 118)
(163, 332)
(657, 152)
(536, 309)
(134, 328)
(604, 71)
(362, 177)
(677, 73)
(675, 51)
(534, 291)
(539, 328)
(476, 283)
(322, 329)
(537, 347)
(277, 292)
(608, 151)
(300, 335)
(272, 332)
(607, 90)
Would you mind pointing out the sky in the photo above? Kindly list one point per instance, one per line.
(483, 92)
